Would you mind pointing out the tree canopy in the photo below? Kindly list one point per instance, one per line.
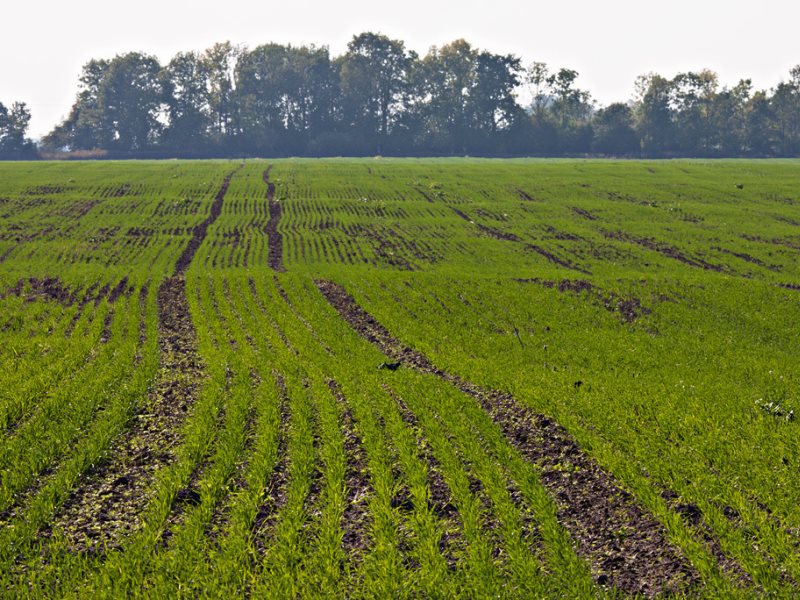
(379, 97)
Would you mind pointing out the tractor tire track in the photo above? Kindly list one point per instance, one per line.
(200, 231)
(591, 505)
(275, 490)
(274, 239)
(440, 500)
(356, 517)
(107, 505)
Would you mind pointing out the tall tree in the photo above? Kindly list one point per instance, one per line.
(131, 101)
(185, 89)
(692, 99)
(286, 95)
(536, 77)
(728, 119)
(449, 79)
(786, 111)
(85, 127)
(219, 66)
(614, 131)
(374, 77)
(496, 78)
(654, 114)
(570, 103)
(759, 138)
(14, 123)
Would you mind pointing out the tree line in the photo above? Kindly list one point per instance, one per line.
(381, 98)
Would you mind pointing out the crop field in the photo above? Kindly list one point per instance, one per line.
(394, 378)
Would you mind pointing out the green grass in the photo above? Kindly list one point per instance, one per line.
(670, 355)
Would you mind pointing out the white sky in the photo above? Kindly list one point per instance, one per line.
(44, 43)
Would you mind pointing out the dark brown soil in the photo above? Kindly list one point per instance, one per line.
(200, 230)
(629, 309)
(497, 233)
(581, 212)
(108, 503)
(275, 489)
(692, 516)
(554, 259)
(460, 214)
(664, 249)
(274, 239)
(47, 288)
(627, 547)
(386, 244)
(356, 518)
(440, 500)
(786, 243)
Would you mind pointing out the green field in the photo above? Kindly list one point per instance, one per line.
(400, 378)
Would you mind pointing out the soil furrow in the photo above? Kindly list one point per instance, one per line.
(356, 517)
(238, 482)
(274, 239)
(626, 546)
(275, 488)
(692, 516)
(440, 500)
(201, 230)
(108, 503)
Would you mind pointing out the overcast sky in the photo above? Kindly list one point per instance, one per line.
(45, 43)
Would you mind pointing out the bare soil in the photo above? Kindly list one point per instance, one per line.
(356, 517)
(663, 248)
(628, 308)
(200, 230)
(626, 546)
(108, 504)
(274, 238)
(554, 259)
(275, 497)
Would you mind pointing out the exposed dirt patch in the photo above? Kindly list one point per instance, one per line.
(555, 259)
(748, 258)
(692, 516)
(626, 546)
(200, 230)
(581, 212)
(557, 234)
(77, 210)
(107, 505)
(461, 214)
(45, 190)
(497, 233)
(628, 308)
(523, 195)
(786, 243)
(386, 244)
(121, 191)
(356, 517)
(51, 289)
(440, 500)
(275, 490)
(274, 239)
(664, 249)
